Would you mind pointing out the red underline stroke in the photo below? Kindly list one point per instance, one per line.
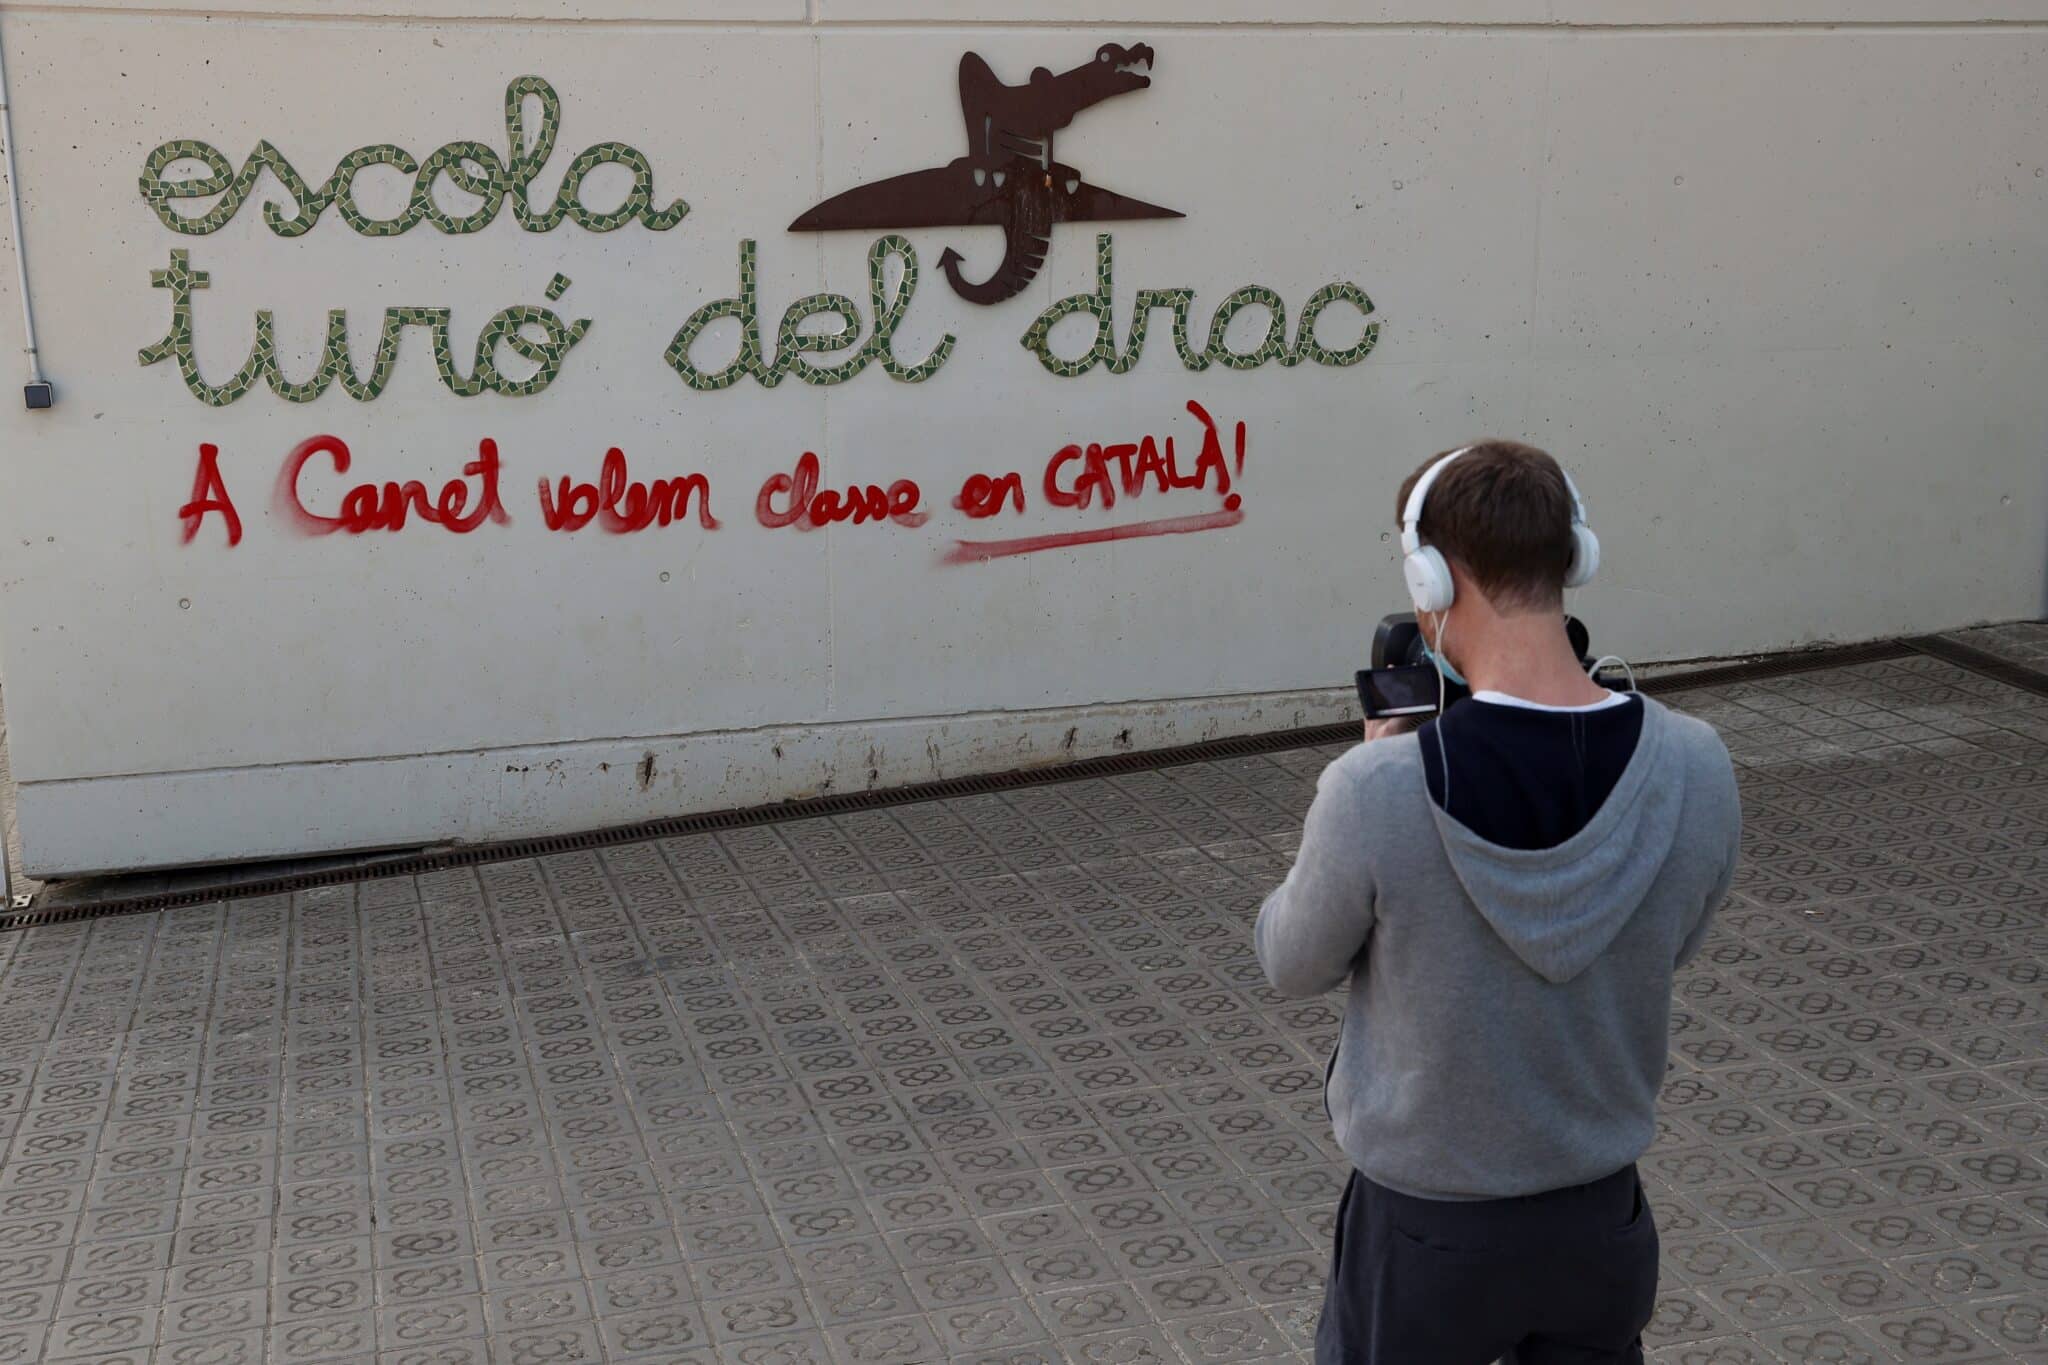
(968, 551)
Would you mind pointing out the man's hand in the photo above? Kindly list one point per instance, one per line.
(1388, 726)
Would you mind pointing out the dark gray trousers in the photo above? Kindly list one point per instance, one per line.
(1568, 1277)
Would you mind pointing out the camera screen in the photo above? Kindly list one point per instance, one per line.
(1406, 691)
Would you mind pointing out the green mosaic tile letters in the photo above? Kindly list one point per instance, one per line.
(382, 154)
(890, 308)
(453, 161)
(547, 352)
(470, 167)
(791, 342)
(1307, 346)
(1100, 304)
(1176, 301)
(1273, 347)
(740, 306)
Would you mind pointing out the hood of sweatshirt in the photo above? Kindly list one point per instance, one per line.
(1558, 908)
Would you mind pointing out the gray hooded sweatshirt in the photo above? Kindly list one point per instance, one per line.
(1507, 1025)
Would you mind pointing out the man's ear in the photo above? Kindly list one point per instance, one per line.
(1467, 590)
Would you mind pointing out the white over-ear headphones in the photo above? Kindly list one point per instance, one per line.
(1429, 577)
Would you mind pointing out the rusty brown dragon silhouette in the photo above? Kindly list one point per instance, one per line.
(1009, 177)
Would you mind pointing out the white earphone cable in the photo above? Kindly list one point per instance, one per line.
(1607, 659)
(1443, 757)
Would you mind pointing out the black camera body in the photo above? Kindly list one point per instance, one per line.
(1403, 682)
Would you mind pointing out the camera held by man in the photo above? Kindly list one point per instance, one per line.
(1403, 682)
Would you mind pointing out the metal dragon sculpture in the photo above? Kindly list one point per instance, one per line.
(1008, 178)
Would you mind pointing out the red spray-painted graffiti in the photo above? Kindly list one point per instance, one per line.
(373, 507)
(618, 503)
(1077, 478)
(972, 551)
(806, 508)
(1126, 468)
(1137, 462)
(209, 494)
(982, 496)
(622, 507)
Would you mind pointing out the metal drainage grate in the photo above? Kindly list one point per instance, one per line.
(1785, 665)
(1773, 666)
(1996, 667)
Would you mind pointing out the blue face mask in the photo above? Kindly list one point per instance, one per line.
(1444, 666)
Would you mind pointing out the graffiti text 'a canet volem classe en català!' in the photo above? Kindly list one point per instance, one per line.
(1016, 186)
(314, 494)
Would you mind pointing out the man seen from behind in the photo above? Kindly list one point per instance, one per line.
(1507, 892)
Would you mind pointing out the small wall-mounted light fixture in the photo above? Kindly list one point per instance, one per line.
(39, 394)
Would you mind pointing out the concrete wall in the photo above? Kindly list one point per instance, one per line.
(1769, 277)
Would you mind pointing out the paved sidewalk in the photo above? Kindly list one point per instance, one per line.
(2024, 642)
(998, 1079)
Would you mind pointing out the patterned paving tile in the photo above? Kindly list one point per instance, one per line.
(998, 1079)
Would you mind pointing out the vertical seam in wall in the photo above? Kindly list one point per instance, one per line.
(824, 394)
(1536, 249)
